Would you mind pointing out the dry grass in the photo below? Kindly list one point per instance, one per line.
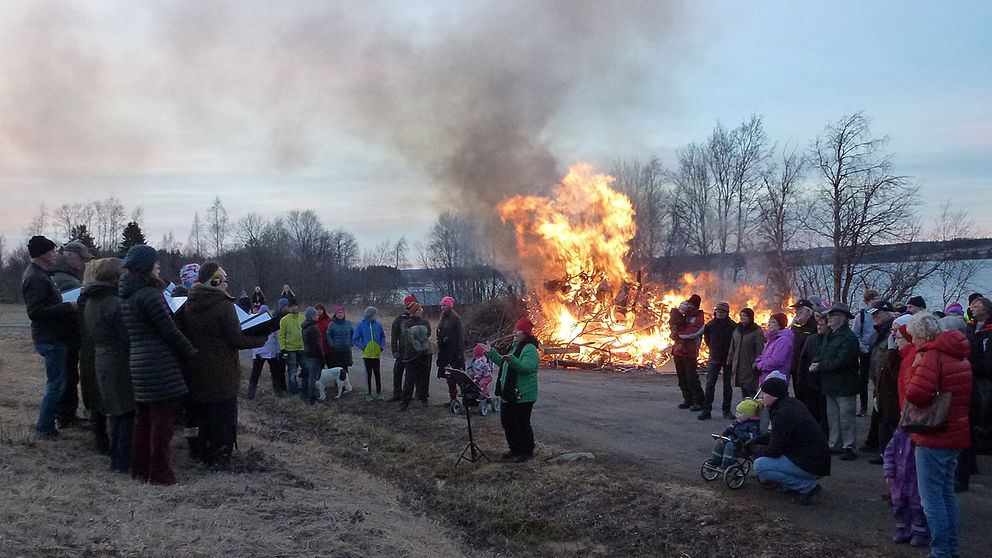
(350, 478)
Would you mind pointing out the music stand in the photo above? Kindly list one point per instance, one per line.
(470, 398)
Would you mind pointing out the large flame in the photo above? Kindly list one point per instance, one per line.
(587, 306)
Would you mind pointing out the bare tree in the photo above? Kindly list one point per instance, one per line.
(169, 243)
(720, 161)
(780, 216)
(645, 186)
(693, 209)
(400, 252)
(194, 244)
(866, 202)
(39, 223)
(750, 152)
(137, 214)
(110, 220)
(379, 255)
(451, 248)
(217, 223)
(309, 240)
(342, 249)
(66, 216)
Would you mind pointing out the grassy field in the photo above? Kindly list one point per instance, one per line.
(350, 478)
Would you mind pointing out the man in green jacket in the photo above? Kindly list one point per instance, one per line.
(291, 343)
(517, 390)
(837, 363)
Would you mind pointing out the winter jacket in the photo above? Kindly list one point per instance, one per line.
(800, 333)
(270, 349)
(803, 378)
(838, 363)
(397, 334)
(451, 342)
(257, 298)
(365, 332)
(323, 322)
(981, 352)
(864, 329)
(899, 464)
(291, 332)
(339, 335)
(65, 277)
(156, 344)
(796, 435)
(718, 334)
(105, 329)
(409, 352)
(740, 432)
(210, 322)
(685, 324)
(777, 354)
(517, 381)
(878, 351)
(907, 356)
(311, 340)
(87, 358)
(50, 317)
(942, 365)
(887, 385)
(746, 344)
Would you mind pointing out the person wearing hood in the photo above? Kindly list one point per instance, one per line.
(517, 389)
(339, 334)
(450, 345)
(267, 353)
(210, 322)
(941, 365)
(837, 364)
(797, 455)
(92, 287)
(313, 356)
(68, 275)
(156, 347)
(370, 338)
(397, 345)
(51, 319)
(417, 351)
(777, 354)
(104, 326)
(746, 343)
(244, 302)
(187, 277)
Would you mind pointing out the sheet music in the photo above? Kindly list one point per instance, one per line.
(175, 302)
(72, 295)
(255, 320)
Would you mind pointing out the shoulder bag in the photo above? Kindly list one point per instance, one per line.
(932, 417)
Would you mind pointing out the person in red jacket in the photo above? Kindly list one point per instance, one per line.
(323, 321)
(685, 320)
(941, 366)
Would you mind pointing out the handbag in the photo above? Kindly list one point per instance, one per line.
(932, 417)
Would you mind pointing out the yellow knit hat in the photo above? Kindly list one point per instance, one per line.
(749, 408)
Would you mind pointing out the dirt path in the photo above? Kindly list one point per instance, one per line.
(634, 419)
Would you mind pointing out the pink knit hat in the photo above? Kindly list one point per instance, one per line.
(478, 351)
(447, 302)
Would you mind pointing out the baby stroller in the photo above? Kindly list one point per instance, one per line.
(733, 475)
(473, 387)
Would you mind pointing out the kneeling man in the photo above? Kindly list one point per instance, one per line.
(797, 454)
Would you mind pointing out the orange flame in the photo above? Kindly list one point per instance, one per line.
(585, 303)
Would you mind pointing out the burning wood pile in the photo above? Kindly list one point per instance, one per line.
(589, 311)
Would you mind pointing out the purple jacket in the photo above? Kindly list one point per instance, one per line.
(777, 354)
(899, 464)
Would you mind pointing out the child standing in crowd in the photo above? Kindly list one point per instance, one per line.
(267, 353)
(370, 338)
(313, 359)
(746, 426)
(339, 335)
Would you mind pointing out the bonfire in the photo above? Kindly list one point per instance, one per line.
(589, 309)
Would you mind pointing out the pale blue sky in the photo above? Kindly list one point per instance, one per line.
(270, 105)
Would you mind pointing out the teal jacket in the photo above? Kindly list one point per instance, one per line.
(525, 369)
(838, 358)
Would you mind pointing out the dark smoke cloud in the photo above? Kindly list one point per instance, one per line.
(469, 92)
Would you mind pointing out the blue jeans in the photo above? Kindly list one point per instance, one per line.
(935, 475)
(294, 360)
(784, 472)
(55, 355)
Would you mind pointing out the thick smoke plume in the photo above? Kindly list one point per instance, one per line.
(470, 92)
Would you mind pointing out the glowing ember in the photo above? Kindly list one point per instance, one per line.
(587, 306)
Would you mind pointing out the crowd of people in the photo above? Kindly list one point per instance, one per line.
(145, 366)
(830, 356)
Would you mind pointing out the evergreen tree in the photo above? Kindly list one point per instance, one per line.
(82, 234)
(132, 237)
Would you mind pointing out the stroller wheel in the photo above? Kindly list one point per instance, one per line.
(455, 406)
(735, 476)
(494, 401)
(746, 466)
(483, 408)
(708, 471)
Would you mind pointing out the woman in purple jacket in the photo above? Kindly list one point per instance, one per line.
(777, 354)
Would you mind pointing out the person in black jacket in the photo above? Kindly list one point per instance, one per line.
(718, 333)
(450, 345)
(50, 319)
(797, 454)
(397, 340)
(156, 346)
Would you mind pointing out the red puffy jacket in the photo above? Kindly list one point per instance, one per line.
(943, 364)
(692, 322)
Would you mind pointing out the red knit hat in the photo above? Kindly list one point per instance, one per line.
(409, 299)
(339, 309)
(905, 333)
(782, 319)
(525, 325)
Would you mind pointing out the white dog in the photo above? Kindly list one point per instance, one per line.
(329, 376)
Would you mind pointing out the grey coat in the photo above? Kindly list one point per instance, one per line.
(104, 328)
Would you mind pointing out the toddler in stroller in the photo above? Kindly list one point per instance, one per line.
(481, 373)
(729, 456)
